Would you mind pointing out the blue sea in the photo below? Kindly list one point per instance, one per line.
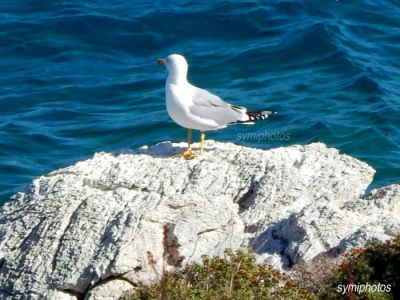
(78, 77)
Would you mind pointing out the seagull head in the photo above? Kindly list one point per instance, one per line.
(176, 64)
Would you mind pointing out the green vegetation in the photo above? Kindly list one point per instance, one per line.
(235, 276)
(376, 264)
(238, 276)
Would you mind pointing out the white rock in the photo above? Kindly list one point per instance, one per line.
(85, 230)
(107, 290)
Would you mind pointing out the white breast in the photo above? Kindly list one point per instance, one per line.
(179, 101)
(178, 105)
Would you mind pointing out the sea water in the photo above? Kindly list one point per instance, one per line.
(78, 77)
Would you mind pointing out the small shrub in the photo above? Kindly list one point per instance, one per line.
(234, 276)
(376, 264)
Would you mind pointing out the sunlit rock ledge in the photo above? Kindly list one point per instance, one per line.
(84, 231)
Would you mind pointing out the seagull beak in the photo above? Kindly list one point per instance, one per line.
(161, 61)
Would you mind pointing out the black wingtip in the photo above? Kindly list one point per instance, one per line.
(255, 116)
(259, 115)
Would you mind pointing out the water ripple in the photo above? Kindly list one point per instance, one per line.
(81, 77)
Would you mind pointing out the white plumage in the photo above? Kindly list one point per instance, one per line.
(195, 108)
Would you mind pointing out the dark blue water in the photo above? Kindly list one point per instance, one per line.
(79, 78)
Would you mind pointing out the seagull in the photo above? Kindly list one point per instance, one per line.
(198, 109)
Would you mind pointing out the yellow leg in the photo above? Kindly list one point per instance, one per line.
(189, 139)
(188, 154)
(202, 137)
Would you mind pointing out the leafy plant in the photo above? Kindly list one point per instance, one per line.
(237, 275)
(234, 276)
(376, 264)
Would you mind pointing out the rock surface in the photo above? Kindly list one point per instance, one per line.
(84, 231)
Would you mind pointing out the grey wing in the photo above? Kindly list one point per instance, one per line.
(209, 106)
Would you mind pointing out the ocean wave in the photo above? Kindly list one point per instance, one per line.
(81, 77)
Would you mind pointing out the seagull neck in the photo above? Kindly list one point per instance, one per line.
(177, 79)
